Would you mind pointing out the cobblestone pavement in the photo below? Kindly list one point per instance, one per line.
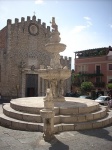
(97, 139)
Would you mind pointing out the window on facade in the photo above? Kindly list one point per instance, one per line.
(78, 69)
(110, 81)
(110, 66)
(82, 68)
(98, 69)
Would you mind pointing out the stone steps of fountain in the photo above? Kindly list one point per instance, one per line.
(30, 126)
(101, 113)
(73, 114)
(19, 125)
(59, 110)
(100, 123)
(8, 111)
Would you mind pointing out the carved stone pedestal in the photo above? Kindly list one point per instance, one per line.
(48, 120)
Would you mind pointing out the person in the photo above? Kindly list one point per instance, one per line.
(110, 103)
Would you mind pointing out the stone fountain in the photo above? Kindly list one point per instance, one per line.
(56, 75)
(54, 113)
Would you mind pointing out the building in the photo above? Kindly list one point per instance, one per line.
(95, 65)
(22, 52)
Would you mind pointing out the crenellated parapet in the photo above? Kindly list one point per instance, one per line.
(65, 58)
(28, 18)
(27, 22)
(44, 25)
(23, 31)
(9, 22)
(16, 21)
(65, 61)
(22, 19)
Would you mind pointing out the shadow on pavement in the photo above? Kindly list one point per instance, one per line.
(58, 145)
(100, 133)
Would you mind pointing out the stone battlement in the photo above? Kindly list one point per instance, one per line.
(65, 58)
(29, 20)
(65, 61)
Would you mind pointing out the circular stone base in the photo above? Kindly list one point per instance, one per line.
(71, 105)
(72, 114)
(39, 102)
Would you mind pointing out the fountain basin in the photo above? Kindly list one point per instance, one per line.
(55, 47)
(52, 74)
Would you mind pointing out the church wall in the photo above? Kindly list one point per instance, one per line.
(24, 50)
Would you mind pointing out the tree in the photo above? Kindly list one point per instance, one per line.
(72, 76)
(87, 86)
(109, 85)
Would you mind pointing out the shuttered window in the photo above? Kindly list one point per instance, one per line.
(110, 66)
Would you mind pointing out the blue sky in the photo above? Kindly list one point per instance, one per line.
(83, 24)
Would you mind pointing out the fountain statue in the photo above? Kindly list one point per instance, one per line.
(56, 75)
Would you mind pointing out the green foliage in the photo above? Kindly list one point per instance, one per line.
(109, 85)
(92, 52)
(72, 76)
(87, 86)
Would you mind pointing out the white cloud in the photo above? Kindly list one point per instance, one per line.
(79, 28)
(77, 41)
(110, 25)
(87, 18)
(39, 1)
(88, 21)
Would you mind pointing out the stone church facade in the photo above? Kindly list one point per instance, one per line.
(22, 52)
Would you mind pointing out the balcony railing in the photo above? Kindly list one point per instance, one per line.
(99, 84)
(86, 74)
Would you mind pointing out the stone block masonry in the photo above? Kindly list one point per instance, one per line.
(22, 52)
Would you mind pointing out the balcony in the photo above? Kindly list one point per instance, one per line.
(91, 75)
(99, 84)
